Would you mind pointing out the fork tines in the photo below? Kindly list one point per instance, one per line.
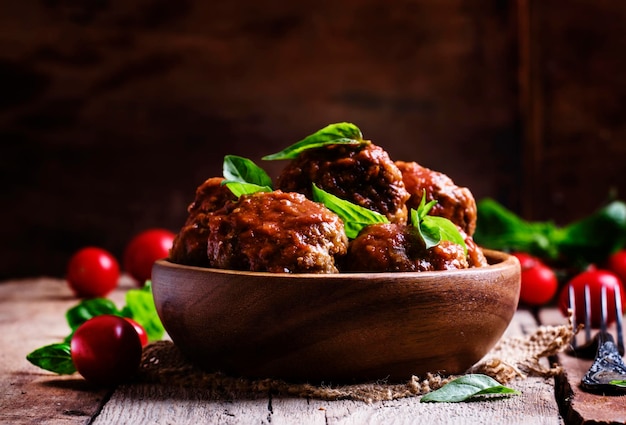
(603, 314)
(619, 320)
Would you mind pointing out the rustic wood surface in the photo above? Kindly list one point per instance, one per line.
(571, 97)
(32, 315)
(581, 407)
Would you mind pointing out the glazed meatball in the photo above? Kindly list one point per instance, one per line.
(392, 247)
(362, 174)
(190, 244)
(385, 247)
(275, 232)
(455, 203)
(475, 255)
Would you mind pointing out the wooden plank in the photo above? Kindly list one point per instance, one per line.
(573, 67)
(145, 403)
(32, 314)
(580, 407)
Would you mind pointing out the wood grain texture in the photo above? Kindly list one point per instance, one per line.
(31, 314)
(574, 110)
(336, 327)
(149, 405)
(578, 406)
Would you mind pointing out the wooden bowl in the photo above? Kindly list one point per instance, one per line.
(336, 328)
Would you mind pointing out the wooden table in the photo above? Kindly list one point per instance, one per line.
(32, 315)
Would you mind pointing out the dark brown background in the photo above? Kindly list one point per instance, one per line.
(112, 112)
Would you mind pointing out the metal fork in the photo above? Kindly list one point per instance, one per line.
(607, 365)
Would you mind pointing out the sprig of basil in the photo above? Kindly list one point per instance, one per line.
(243, 176)
(468, 387)
(54, 357)
(87, 309)
(433, 229)
(139, 306)
(239, 169)
(332, 134)
(354, 217)
(239, 188)
(585, 241)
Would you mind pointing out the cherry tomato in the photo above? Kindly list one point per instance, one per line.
(143, 250)
(92, 272)
(596, 280)
(617, 264)
(539, 282)
(143, 335)
(526, 261)
(106, 350)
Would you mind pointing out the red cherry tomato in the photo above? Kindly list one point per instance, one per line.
(92, 272)
(106, 350)
(617, 264)
(143, 335)
(596, 280)
(539, 282)
(143, 250)
(526, 261)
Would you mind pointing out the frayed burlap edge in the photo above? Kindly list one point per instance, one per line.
(512, 358)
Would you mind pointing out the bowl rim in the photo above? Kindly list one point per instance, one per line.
(502, 260)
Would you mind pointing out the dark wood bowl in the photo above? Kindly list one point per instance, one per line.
(336, 328)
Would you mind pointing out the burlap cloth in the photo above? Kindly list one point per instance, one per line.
(511, 358)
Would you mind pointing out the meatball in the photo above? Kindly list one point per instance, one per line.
(275, 232)
(210, 196)
(475, 255)
(385, 247)
(362, 174)
(392, 247)
(190, 244)
(455, 203)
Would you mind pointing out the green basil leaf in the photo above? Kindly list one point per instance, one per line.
(243, 170)
(468, 387)
(239, 188)
(444, 229)
(140, 307)
(354, 217)
(499, 228)
(54, 357)
(434, 229)
(333, 134)
(618, 382)
(593, 238)
(89, 308)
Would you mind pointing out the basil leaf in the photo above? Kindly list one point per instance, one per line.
(333, 134)
(354, 217)
(243, 170)
(239, 188)
(618, 382)
(140, 307)
(444, 229)
(468, 387)
(54, 357)
(87, 309)
(434, 229)
(501, 229)
(593, 238)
